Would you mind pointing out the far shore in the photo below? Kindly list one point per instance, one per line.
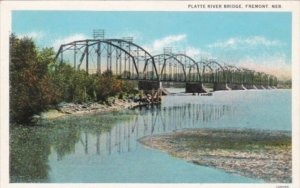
(258, 154)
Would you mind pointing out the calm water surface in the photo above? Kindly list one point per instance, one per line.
(75, 149)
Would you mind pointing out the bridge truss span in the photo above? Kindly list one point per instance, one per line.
(233, 74)
(128, 60)
(169, 68)
(213, 72)
(143, 59)
(121, 57)
(177, 68)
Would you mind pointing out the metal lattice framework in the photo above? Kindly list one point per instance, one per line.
(143, 59)
(170, 68)
(131, 61)
(213, 72)
(260, 78)
(191, 67)
(119, 56)
(205, 71)
(248, 76)
(234, 75)
(272, 80)
(177, 68)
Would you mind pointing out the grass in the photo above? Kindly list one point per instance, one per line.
(233, 140)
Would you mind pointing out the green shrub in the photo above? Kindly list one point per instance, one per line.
(31, 88)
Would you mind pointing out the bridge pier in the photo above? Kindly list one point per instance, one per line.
(151, 91)
(152, 85)
(148, 85)
(236, 86)
(248, 86)
(260, 87)
(196, 87)
(221, 86)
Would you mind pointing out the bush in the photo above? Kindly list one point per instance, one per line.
(36, 82)
(31, 89)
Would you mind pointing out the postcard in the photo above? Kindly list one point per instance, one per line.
(150, 93)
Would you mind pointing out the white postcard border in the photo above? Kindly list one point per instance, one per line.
(6, 7)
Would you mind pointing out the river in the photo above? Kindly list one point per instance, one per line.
(74, 150)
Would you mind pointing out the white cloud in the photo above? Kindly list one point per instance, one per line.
(257, 53)
(193, 52)
(178, 44)
(35, 35)
(197, 53)
(77, 36)
(169, 41)
(252, 41)
(166, 41)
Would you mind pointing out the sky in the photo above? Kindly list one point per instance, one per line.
(254, 40)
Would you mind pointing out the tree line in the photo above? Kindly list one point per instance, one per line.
(37, 83)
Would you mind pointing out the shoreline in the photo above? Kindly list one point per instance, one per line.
(66, 109)
(258, 154)
(71, 108)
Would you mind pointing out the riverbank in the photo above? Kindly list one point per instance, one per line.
(64, 109)
(258, 154)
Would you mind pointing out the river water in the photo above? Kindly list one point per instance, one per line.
(77, 150)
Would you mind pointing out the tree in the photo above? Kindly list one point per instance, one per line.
(37, 82)
(31, 89)
(107, 85)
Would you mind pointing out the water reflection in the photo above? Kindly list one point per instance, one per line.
(29, 150)
(30, 147)
(101, 135)
(63, 140)
(156, 120)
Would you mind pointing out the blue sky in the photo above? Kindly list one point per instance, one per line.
(255, 40)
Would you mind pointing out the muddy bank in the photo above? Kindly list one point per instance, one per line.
(64, 109)
(258, 154)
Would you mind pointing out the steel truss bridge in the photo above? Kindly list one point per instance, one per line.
(131, 61)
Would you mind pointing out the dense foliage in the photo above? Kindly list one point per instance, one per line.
(31, 88)
(37, 83)
(78, 86)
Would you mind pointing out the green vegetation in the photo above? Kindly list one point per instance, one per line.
(31, 88)
(233, 140)
(284, 84)
(37, 83)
